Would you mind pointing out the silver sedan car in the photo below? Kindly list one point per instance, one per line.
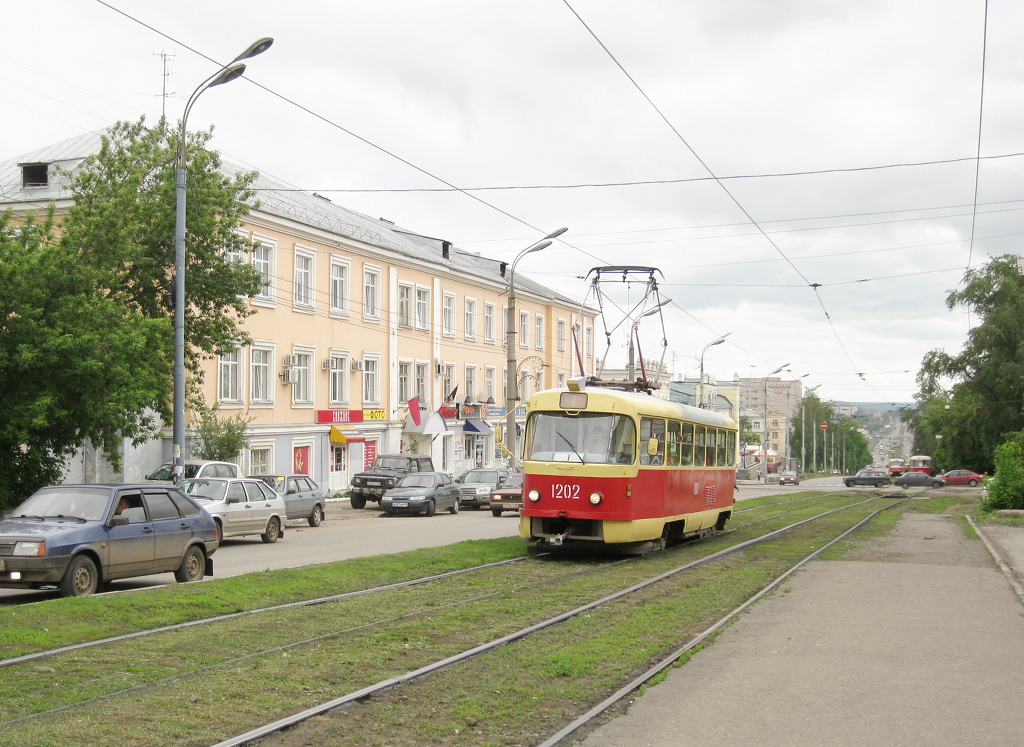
(239, 506)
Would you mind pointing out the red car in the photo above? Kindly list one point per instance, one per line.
(962, 477)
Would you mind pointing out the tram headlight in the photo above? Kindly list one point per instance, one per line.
(534, 495)
(596, 498)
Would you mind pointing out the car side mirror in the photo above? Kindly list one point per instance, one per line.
(117, 520)
(231, 500)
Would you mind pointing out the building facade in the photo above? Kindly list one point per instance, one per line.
(356, 320)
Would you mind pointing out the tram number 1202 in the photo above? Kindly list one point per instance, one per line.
(565, 490)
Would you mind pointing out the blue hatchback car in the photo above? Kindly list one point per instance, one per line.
(78, 537)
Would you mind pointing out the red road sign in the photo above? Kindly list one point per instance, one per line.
(824, 426)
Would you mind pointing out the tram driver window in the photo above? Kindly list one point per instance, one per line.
(652, 428)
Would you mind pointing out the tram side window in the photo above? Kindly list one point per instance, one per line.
(686, 450)
(623, 441)
(652, 428)
(722, 458)
(699, 445)
(672, 443)
(730, 449)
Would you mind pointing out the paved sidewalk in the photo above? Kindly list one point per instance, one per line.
(918, 640)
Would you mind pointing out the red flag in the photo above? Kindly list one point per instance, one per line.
(414, 409)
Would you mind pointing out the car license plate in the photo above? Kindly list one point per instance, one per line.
(400, 504)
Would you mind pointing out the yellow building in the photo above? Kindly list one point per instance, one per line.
(355, 318)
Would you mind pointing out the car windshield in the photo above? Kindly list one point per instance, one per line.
(480, 475)
(274, 481)
(89, 504)
(391, 462)
(210, 489)
(418, 481)
(164, 473)
(514, 481)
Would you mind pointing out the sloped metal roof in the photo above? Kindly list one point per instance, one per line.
(275, 198)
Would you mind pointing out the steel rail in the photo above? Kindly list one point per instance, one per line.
(304, 715)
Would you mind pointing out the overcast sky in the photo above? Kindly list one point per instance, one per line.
(664, 133)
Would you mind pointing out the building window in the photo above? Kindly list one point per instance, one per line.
(260, 372)
(371, 381)
(422, 308)
(404, 380)
(489, 383)
(405, 306)
(263, 263)
(561, 380)
(540, 332)
(447, 379)
(339, 378)
(489, 322)
(303, 295)
(471, 392)
(448, 315)
(470, 319)
(259, 460)
(422, 370)
(371, 294)
(524, 329)
(339, 288)
(588, 342)
(232, 254)
(228, 390)
(302, 389)
(561, 334)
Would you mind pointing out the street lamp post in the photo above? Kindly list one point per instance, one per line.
(719, 341)
(511, 384)
(226, 74)
(789, 421)
(764, 447)
(803, 428)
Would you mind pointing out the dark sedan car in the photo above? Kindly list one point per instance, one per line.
(509, 497)
(422, 492)
(917, 480)
(78, 537)
(877, 477)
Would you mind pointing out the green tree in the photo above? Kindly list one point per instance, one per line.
(1007, 489)
(747, 433)
(215, 436)
(76, 364)
(86, 341)
(971, 402)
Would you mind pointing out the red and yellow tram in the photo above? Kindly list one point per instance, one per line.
(920, 463)
(622, 468)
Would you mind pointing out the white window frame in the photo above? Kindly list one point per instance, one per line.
(303, 393)
(371, 378)
(588, 341)
(261, 374)
(405, 381)
(405, 305)
(489, 374)
(470, 317)
(338, 390)
(447, 379)
(489, 322)
(304, 280)
(229, 377)
(524, 329)
(371, 292)
(448, 315)
(422, 383)
(340, 286)
(261, 446)
(471, 383)
(561, 335)
(422, 308)
(539, 331)
(264, 257)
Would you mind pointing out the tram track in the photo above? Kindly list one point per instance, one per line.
(382, 623)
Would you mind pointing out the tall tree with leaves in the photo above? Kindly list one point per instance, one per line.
(971, 402)
(86, 339)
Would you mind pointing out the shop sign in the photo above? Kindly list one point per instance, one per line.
(339, 416)
(375, 415)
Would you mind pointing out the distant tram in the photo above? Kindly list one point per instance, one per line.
(897, 467)
(605, 467)
(920, 463)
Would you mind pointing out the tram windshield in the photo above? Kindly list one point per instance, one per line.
(591, 438)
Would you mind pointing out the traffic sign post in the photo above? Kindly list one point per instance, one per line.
(824, 426)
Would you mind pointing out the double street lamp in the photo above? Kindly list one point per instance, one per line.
(511, 384)
(226, 74)
(719, 341)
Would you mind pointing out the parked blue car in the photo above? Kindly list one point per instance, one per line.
(422, 492)
(78, 537)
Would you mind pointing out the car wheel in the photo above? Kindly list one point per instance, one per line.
(220, 531)
(454, 508)
(316, 517)
(81, 578)
(273, 531)
(193, 566)
(431, 508)
(495, 512)
(357, 501)
(904, 486)
(973, 483)
(879, 484)
(849, 483)
(938, 484)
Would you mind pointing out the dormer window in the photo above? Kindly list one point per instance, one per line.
(35, 175)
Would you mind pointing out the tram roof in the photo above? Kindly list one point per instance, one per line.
(644, 404)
